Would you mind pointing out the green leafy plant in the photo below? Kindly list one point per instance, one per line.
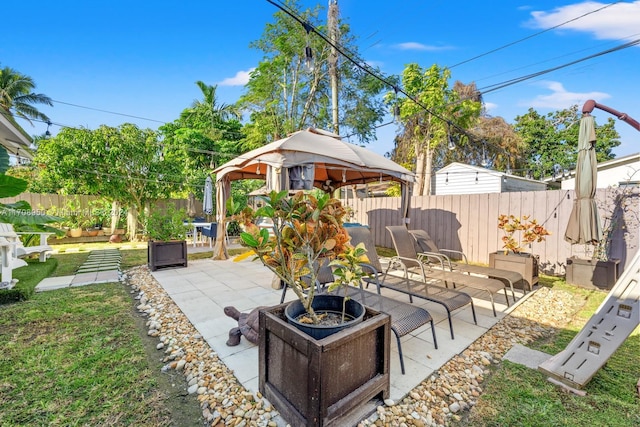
(529, 231)
(20, 213)
(234, 209)
(166, 225)
(348, 271)
(306, 233)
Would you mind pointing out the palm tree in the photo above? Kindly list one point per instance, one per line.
(17, 97)
(216, 111)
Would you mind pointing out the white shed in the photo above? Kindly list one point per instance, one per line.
(611, 173)
(460, 178)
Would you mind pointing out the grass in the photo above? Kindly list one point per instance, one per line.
(516, 395)
(76, 356)
(28, 277)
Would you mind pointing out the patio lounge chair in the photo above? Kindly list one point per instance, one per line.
(429, 249)
(450, 299)
(407, 259)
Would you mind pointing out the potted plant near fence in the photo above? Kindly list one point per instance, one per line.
(166, 233)
(314, 376)
(597, 269)
(519, 233)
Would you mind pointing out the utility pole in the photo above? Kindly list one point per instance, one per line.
(332, 23)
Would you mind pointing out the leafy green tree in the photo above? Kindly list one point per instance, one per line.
(552, 139)
(210, 108)
(209, 133)
(284, 96)
(124, 164)
(17, 97)
(425, 131)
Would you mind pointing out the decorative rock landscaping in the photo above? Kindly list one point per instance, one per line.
(438, 399)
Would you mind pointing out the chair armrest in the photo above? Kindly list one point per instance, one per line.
(461, 254)
(411, 262)
(374, 273)
(44, 235)
(438, 257)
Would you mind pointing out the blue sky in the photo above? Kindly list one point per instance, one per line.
(142, 59)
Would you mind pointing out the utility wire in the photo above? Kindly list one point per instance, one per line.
(497, 86)
(109, 112)
(532, 35)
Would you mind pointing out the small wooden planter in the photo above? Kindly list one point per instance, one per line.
(592, 274)
(166, 254)
(335, 381)
(525, 264)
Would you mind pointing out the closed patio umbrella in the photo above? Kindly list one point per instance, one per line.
(584, 222)
(207, 201)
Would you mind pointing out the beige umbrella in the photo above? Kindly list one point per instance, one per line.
(584, 222)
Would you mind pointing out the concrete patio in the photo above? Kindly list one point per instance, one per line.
(205, 287)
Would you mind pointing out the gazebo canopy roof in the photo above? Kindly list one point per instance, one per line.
(336, 163)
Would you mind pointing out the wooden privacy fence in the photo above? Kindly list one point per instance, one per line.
(41, 203)
(469, 222)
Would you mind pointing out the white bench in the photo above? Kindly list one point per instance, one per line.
(12, 249)
(9, 262)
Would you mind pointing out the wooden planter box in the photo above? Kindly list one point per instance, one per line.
(525, 264)
(335, 381)
(592, 274)
(166, 254)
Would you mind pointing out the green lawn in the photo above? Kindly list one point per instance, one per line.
(74, 357)
(516, 395)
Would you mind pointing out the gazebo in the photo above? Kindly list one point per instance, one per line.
(304, 160)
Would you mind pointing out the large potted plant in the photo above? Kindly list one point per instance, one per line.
(315, 378)
(166, 232)
(596, 269)
(519, 233)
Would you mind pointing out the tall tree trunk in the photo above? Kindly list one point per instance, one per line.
(332, 22)
(420, 164)
(426, 190)
(115, 215)
(132, 224)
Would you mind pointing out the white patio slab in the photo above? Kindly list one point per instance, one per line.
(205, 287)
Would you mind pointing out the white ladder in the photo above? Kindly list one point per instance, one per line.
(608, 328)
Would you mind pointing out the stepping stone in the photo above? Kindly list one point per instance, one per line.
(84, 278)
(95, 269)
(95, 263)
(52, 283)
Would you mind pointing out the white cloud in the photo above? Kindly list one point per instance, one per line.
(240, 79)
(615, 22)
(420, 46)
(490, 106)
(560, 98)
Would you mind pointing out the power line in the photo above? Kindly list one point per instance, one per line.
(109, 112)
(497, 86)
(531, 36)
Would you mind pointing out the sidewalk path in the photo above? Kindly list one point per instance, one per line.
(102, 266)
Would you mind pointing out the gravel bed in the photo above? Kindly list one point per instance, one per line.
(455, 387)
